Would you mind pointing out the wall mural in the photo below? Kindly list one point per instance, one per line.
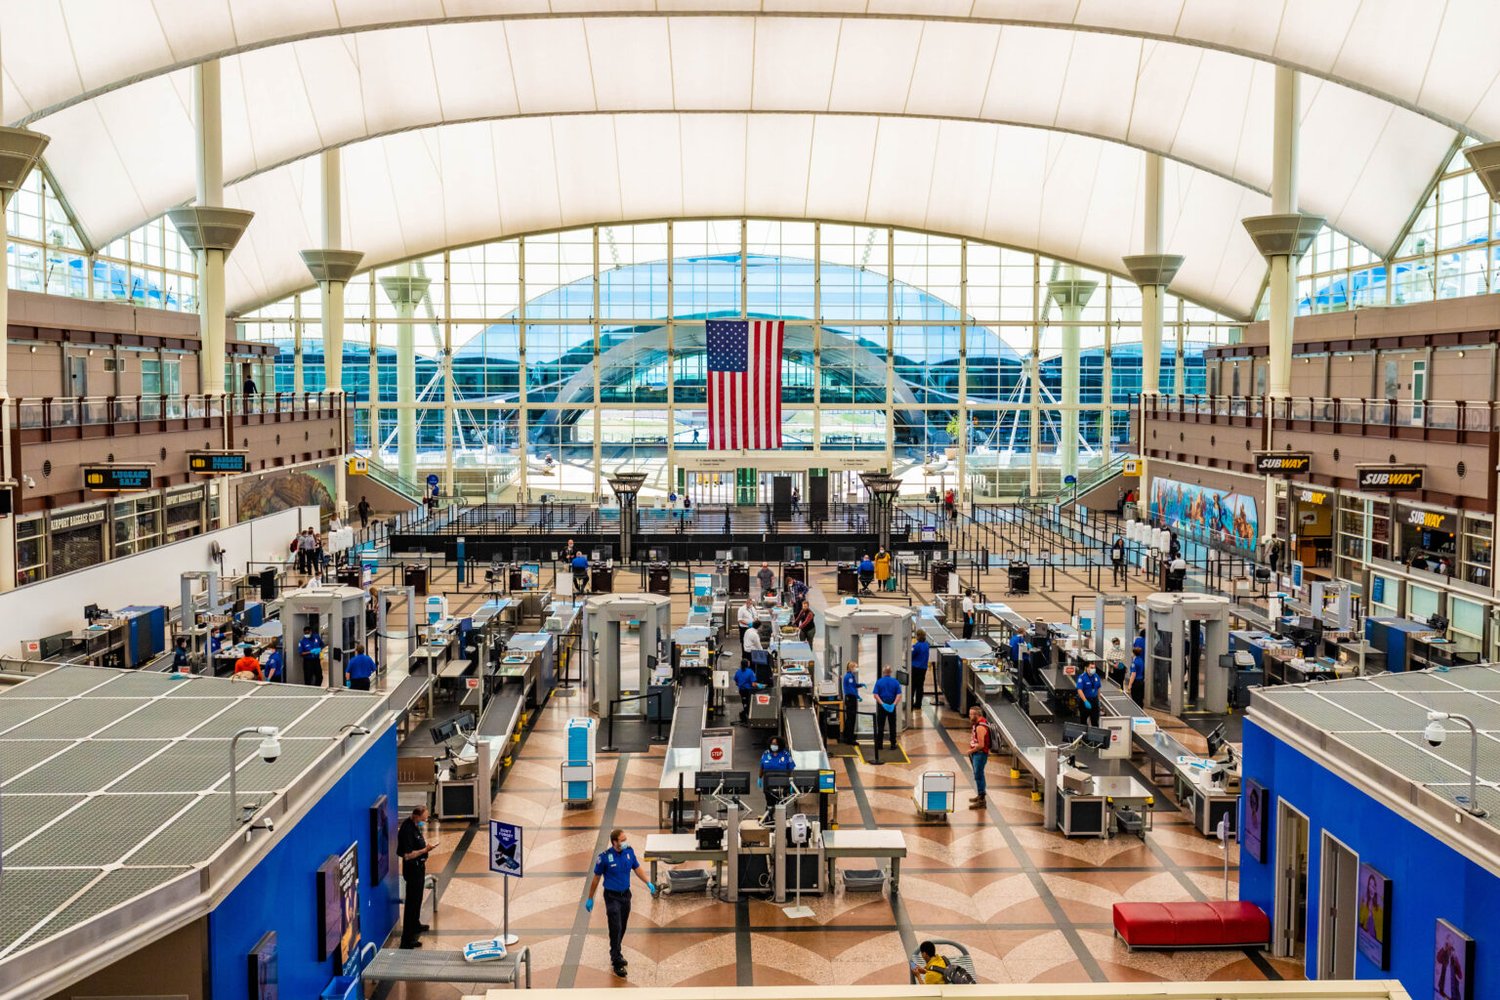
(282, 490)
(1205, 513)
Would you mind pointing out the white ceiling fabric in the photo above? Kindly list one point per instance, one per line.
(1186, 78)
(458, 184)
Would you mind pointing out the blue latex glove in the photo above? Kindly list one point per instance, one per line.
(651, 886)
(1088, 704)
(588, 904)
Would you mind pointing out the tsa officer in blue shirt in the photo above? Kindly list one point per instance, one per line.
(887, 698)
(1088, 684)
(850, 688)
(776, 758)
(274, 668)
(580, 573)
(744, 679)
(311, 651)
(615, 867)
(921, 653)
(360, 669)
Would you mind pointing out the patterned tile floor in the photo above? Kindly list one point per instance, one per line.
(1030, 905)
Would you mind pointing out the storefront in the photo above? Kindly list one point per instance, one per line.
(1427, 537)
(1306, 514)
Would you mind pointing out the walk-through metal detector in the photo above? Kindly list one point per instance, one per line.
(190, 605)
(385, 597)
(847, 628)
(1168, 621)
(338, 614)
(1132, 620)
(615, 673)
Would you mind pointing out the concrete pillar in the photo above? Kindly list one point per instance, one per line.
(331, 267)
(20, 149)
(208, 228)
(406, 291)
(1283, 236)
(1071, 294)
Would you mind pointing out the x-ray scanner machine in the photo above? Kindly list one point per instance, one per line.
(1170, 620)
(625, 636)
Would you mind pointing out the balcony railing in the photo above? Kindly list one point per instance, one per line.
(1437, 414)
(43, 413)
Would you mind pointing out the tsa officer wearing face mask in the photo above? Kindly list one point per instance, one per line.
(1088, 684)
(614, 867)
(412, 846)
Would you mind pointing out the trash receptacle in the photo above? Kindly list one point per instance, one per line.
(415, 577)
(268, 584)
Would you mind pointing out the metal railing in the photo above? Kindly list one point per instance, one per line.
(40, 413)
(1434, 414)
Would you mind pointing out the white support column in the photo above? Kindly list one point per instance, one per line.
(450, 404)
(406, 291)
(20, 149)
(1284, 235)
(1034, 380)
(297, 373)
(1072, 295)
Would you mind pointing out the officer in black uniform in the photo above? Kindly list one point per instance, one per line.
(413, 848)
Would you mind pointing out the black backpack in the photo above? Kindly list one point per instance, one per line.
(958, 975)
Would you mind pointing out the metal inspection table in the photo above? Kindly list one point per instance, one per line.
(404, 965)
(888, 844)
(682, 847)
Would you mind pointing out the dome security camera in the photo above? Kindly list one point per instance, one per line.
(1436, 732)
(270, 744)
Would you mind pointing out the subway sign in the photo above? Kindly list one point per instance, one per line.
(1391, 478)
(1282, 463)
(1317, 497)
(1431, 520)
(218, 463)
(117, 478)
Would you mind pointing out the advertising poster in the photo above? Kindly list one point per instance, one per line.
(1452, 964)
(349, 903)
(263, 978)
(1373, 933)
(505, 849)
(330, 908)
(1205, 513)
(1253, 829)
(381, 821)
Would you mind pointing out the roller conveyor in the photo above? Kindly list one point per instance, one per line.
(802, 730)
(689, 716)
(502, 713)
(1015, 727)
(1114, 701)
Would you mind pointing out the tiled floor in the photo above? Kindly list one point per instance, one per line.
(1030, 905)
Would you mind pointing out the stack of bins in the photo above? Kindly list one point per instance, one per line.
(578, 763)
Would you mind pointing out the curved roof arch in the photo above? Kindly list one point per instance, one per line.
(127, 155)
(1436, 59)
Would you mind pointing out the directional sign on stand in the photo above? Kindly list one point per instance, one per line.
(506, 859)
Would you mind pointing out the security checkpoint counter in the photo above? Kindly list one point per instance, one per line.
(677, 847)
(877, 844)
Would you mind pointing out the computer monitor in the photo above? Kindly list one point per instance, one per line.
(1074, 731)
(91, 611)
(777, 781)
(807, 780)
(1216, 741)
(741, 553)
(793, 553)
(707, 782)
(465, 721)
(443, 732)
(736, 782)
(1096, 737)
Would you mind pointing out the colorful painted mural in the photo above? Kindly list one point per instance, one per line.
(281, 490)
(1205, 513)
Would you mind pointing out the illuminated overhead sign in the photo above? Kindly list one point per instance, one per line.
(1391, 478)
(1281, 463)
(218, 463)
(117, 478)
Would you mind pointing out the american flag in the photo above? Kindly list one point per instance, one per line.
(744, 383)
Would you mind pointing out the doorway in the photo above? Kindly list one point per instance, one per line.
(1290, 931)
(709, 487)
(78, 375)
(1336, 909)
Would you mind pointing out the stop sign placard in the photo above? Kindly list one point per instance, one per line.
(716, 754)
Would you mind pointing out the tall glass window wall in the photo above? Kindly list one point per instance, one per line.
(924, 353)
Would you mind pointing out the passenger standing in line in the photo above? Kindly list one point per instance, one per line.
(360, 669)
(882, 569)
(311, 651)
(307, 545)
(413, 849)
(1117, 559)
(852, 698)
(887, 700)
(1114, 656)
(979, 751)
(921, 653)
(615, 866)
(766, 577)
(1088, 684)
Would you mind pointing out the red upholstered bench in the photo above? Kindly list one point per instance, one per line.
(1220, 924)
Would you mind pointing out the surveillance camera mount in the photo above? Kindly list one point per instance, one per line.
(269, 742)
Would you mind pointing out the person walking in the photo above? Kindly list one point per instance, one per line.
(806, 623)
(796, 501)
(1088, 684)
(363, 509)
(850, 687)
(413, 848)
(969, 612)
(887, 700)
(1117, 559)
(614, 866)
(979, 751)
(921, 653)
(1116, 661)
(746, 620)
(744, 679)
(361, 669)
(311, 651)
(766, 577)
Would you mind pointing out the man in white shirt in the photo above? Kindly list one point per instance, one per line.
(750, 641)
(968, 610)
(746, 619)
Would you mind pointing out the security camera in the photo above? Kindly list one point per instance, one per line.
(269, 825)
(1435, 733)
(270, 744)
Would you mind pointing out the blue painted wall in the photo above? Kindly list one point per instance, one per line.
(281, 893)
(1428, 878)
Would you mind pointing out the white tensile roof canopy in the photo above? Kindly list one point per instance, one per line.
(1022, 122)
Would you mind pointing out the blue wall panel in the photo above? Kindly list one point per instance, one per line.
(281, 893)
(1428, 878)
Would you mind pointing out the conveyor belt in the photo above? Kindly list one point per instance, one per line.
(1015, 726)
(689, 716)
(802, 729)
(405, 694)
(503, 713)
(1113, 701)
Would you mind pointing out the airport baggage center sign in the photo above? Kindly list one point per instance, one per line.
(1282, 463)
(1391, 478)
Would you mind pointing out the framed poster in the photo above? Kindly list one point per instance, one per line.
(263, 968)
(1373, 933)
(381, 820)
(506, 856)
(330, 908)
(1452, 964)
(348, 942)
(1253, 827)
